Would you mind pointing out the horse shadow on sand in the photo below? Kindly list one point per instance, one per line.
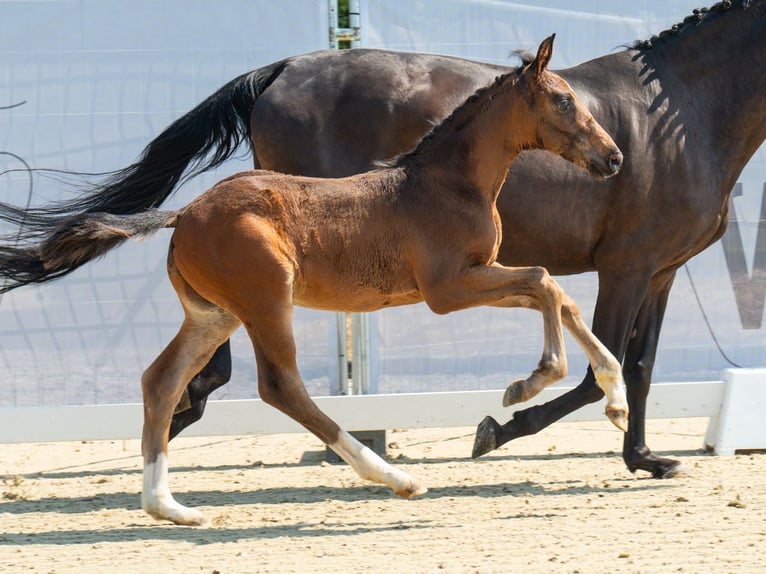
(219, 500)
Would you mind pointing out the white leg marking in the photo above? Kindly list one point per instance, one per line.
(157, 501)
(370, 466)
(616, 400)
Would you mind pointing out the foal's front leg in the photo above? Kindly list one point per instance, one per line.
(606, 368)
(534, 288)
(498, 286)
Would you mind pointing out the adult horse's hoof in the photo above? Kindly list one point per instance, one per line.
(514, 393)
(661, 468)
(643, 459)
(486, 437)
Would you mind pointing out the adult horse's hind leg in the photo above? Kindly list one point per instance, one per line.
(205, 327)
(192, 404)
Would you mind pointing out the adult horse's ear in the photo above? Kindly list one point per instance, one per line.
(543, 58)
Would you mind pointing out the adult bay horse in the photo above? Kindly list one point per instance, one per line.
(424, 228)
(686, 107)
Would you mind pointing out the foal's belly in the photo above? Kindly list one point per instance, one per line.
(351, 298)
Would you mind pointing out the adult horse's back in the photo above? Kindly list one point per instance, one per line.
(685, 107)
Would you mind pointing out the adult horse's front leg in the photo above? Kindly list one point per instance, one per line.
(638, 365)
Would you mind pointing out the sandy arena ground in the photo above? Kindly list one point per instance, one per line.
(561, 501)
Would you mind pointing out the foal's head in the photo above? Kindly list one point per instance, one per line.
(563, 124)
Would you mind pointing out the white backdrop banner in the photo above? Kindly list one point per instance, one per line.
(95, 81)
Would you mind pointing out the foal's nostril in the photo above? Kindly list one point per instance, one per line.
(615, 162)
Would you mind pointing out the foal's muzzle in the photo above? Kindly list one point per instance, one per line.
(615, 162)
(607, 166)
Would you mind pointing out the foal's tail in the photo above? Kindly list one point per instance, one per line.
(72, 242)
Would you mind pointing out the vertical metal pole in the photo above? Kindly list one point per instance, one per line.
(360, 342)
(360, 322)
(360, 368)
(333, 24)
(340, 318)
(342, 383)
(355, 22)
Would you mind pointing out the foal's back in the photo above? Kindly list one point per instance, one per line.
(340, 244)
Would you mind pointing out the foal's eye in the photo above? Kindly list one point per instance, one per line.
(564, 104)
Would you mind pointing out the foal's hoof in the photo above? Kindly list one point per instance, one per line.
(412, 490)
(486, 437)
(514, 393)
(179, 515)
(619, 418)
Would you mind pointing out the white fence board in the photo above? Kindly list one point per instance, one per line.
(357, 412)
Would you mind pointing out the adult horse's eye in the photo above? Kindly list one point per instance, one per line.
(564, 104)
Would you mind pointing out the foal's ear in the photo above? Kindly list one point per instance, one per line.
(543, 58)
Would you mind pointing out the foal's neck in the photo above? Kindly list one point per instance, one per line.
(474, 147)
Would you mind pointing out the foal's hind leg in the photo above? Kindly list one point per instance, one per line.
(280, 385)
(204, 328)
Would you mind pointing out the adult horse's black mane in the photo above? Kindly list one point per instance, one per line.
(697, 16)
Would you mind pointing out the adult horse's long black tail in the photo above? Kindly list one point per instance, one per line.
(200, 140)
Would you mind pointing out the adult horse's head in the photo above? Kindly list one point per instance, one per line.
(563, 123)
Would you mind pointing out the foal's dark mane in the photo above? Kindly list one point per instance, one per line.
(462, 113)
(697, 16)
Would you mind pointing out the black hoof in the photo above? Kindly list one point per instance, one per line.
(486, 437)
(668, 470)
(659, 468)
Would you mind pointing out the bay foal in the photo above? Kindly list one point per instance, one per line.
(422, 228)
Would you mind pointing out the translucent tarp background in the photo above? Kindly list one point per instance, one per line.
(100, 78)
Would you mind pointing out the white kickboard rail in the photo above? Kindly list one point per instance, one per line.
(354, 413)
